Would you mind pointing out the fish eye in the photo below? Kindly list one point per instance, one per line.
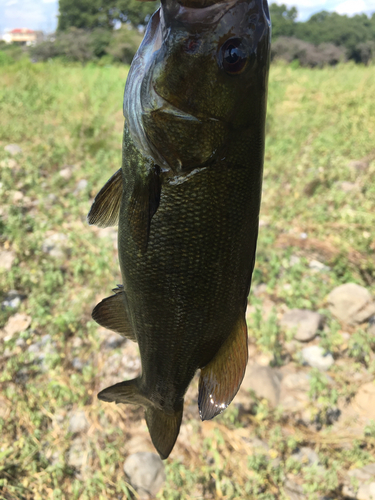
(232, 56)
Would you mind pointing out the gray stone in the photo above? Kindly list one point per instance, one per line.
(306, 456)
(6, 259)
(81, 186)
(12, 299)
(316, 357)
(77, 364)
(264, 381)
(55, 245)
(77, 456)
(78, 422)
(351, 303)
(145, 472)
(293, 491)
(305, 323)
(13, 149)
(371, 328)
(318, 266)
(364, 474)
(113, 341)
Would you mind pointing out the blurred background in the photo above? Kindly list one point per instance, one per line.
(303, 424)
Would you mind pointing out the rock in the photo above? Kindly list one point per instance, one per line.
(77, 364)
(15, 324)
(264, 381)
(13, 149)
(348, 187)
(293, 491)
(138, 444)
(364, 474)
(119, 366)
(17, 196)
(81, 186)
(146, 473)
(317, 266)
(10, 163)
(55, 245)
(364, 401)
(12, 299)
(351, 303)
(294, 391)
(306, 456)
(306, 323)
(42, 349)
(6, 259)
(77, 455)
(113, 341)
(365, 492)
(316, 357)
(294, 260)
(66, 173)
(78, 422)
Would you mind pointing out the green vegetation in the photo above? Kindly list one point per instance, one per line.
(318, 183)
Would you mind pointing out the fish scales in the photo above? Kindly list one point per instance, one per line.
(189, 195)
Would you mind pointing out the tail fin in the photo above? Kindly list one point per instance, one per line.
(163, 427)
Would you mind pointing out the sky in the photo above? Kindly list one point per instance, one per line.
(42, 14)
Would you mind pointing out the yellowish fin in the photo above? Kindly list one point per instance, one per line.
(163, 427)
(111, 314)
(105, 210)
(221, 378)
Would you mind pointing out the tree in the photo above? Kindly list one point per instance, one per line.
(283, 20)
(91, 14)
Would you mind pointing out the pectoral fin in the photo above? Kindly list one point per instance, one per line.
(105, 210)
(221, 378)
(143, 204)
(111, 313)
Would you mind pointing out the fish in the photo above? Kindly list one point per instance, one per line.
(186, 201)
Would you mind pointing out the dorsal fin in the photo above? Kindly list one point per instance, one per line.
(111, 313)
(221, 378)
(105, 210)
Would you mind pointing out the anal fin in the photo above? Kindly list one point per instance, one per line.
(105, 210)
(220, 380)
(125, 392)
(111, 314)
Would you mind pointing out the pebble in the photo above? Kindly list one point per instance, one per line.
(364, 492)
(78, 422)
(6, 259)
(305, 322)
(347, 187)
(145, 472)
(293, 491)
(42, 349)
(351, 303)
(306, 456)
(318, 266)
(316, 357)
(13, 149)
(77, 456)
(12, 299)
(264, 381)
(10, 163)
(15, 324)
(81, 185)
(113, 341)
(66, 173)
(364, 401)
(55, 245)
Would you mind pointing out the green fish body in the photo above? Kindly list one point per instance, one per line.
(187, 205)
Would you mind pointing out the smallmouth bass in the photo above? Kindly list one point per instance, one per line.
(187, 202)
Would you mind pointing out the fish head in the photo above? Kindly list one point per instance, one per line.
(199, 81)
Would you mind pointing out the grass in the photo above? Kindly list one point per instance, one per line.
(320, 123)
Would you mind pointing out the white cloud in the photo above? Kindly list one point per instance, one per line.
(352, 7)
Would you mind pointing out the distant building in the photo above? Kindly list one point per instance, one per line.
(22, 36)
